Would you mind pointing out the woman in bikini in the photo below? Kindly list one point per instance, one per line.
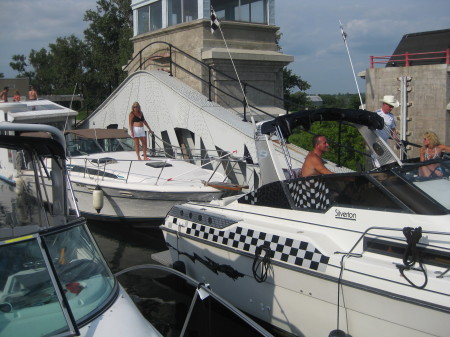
(137, 122)
(431, 149)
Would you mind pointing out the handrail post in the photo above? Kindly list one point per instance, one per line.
(140, 60)
(209, 83)
(244, 101)
(371, 62)
(170, 60)
(447, 56)
(406, 59)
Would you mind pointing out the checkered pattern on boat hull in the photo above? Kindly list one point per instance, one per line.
(287, 250)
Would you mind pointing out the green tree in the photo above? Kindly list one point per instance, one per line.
(109, 47)
(349, 152)
(20, 64)
(291, 82)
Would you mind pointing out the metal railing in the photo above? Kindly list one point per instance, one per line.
(408, 59)
(139, 62)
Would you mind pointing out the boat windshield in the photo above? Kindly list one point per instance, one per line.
(431, 177)
(39, 273)
(81, 146)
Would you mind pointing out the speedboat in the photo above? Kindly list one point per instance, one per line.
(347, 254)
(111, 184)
(54, 280)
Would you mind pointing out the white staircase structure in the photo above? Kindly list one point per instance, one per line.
(183, 117)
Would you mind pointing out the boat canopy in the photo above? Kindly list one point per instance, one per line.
(31, 137)
(99, 133)
(305, 118)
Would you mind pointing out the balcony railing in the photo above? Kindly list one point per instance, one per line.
(409, 59)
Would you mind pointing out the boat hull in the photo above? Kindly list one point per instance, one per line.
(124, 205)
(303, 300)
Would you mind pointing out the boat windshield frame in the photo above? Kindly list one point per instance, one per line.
(431, 177)
(57, 277)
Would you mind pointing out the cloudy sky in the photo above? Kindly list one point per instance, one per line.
(310, 31)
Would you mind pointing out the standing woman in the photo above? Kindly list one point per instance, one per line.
(137, 122)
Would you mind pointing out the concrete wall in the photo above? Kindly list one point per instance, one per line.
(252, 47)
(428, 97)
(21, 84)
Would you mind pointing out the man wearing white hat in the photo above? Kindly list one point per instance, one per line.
(389, 102)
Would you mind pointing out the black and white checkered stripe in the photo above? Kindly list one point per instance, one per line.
(214, 21)
(299, 253)
(311, 194)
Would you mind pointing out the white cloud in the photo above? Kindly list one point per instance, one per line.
(310, 31)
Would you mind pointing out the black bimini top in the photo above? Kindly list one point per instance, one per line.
(45, 140)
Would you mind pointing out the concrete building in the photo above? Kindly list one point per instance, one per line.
(166, 29)
(417, 73)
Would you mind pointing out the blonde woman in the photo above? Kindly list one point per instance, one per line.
(431, 149)
(137, 122)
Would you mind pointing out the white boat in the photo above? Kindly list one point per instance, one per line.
(352, 254)
(53, 278)
(41, 111)
(132, 190)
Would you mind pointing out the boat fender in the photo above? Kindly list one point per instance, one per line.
(179, 266)
(97, 198)
(337, 333)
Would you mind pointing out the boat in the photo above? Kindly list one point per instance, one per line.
(346, 254)
(103, 162)
(54, 280)
(40, 111)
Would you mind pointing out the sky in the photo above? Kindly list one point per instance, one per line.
(310, 32)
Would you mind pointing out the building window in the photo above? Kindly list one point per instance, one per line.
(241, 10)
(182, 11)
(143, 19)
(156, 16)
(150, 17)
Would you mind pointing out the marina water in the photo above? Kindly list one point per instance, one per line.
(162, 299)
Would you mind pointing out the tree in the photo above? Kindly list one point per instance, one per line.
(19, 64)
(109, 46)
(293, 101)
(350, 140)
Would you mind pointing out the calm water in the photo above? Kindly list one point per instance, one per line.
(163, 300)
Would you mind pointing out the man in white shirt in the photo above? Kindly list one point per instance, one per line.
(389, 102)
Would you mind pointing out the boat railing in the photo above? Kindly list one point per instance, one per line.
(178, 60)
(201, 290)
(99, 167)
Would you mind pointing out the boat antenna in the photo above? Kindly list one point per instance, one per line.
(215, 24)
(344, 36)
(70, 106)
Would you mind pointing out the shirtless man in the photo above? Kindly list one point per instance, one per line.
(4, 94)
(32, 94)
(313, 164)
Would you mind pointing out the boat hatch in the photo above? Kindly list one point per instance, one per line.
(159, 164)
(92, 171)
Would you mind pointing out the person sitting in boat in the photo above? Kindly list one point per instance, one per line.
(431, 149)
(137, 122)
(313, 164)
